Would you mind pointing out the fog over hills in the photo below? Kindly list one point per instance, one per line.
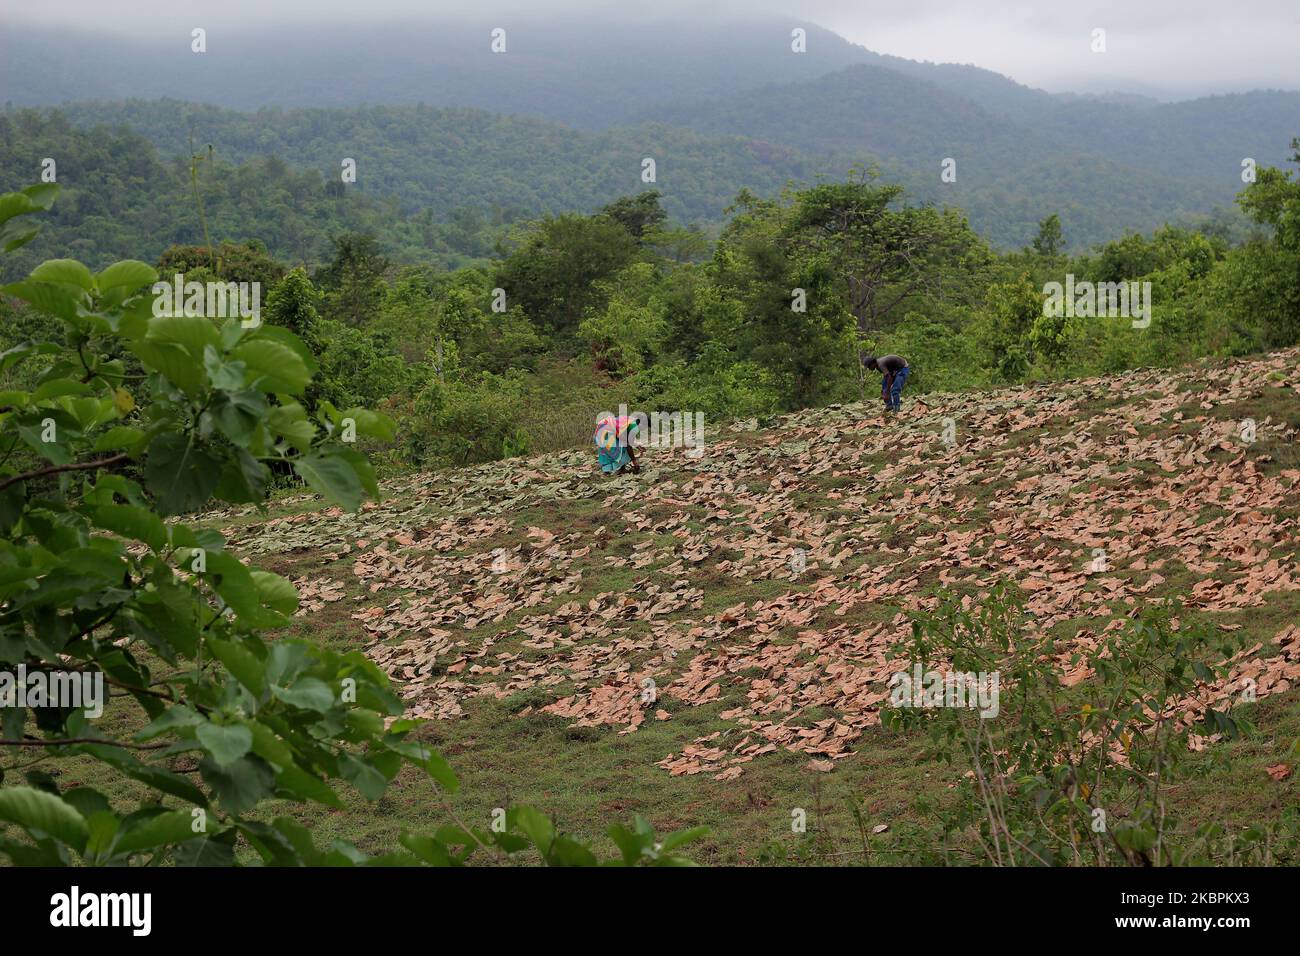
(723, 102)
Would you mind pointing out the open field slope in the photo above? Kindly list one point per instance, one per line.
(524, 605)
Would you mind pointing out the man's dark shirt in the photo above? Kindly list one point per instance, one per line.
(891, 364)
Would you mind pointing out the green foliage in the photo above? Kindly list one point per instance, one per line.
(882, 257)
(1048, 241)
(360, 367)
(460, 423)
(294, 304)
(1265, 286)
(555, 273)
(353, 280)
(99, 579)
(1012, 315)
(641, 215)
(715, 381)
(629, 332)
(947, 346)
(124, 200)
(232, 262)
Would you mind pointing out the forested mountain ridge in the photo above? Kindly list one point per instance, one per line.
(565, 117)
(426, 157)
(435, 186)
(120, 199)
(1008, 177)
(1104, 167)
(583, 71)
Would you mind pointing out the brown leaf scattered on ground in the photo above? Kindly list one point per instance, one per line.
(850, 523)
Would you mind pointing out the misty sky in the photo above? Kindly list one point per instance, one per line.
(1160, 47)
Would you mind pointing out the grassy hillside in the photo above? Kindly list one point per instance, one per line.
(523, 604)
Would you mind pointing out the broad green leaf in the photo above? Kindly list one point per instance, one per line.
(367, 779)
(218, 850)
(156, 777)
(308, 693)
(234, 582)
(174, 826)
(680, 837)
(121, 438)
(282, 336)
(241, 785)
(298, 784)
(60, 386)
(179, 473)
(333, 477)
(128, 275)
(238, 414)
(537, 827)
(242, 665)
(38, 810)
(132, 522)
(193, 333)
(69, 271)
(244, 479)
(272, 366)
(275, 592)
(226, 743)
(369, 424)
(57, 299)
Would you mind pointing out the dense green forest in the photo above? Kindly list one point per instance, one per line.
(449, 159)
(121, 198)
(1103, 167)
(438, 186)
(572, 314)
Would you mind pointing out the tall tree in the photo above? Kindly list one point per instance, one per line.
(789, 317)
(883, 257)
(293, 305)
(639, 215)
(555, 274)
(354, 280)
(1048, 240)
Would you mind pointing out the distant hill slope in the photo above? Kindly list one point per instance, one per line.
(585, 71)
(1106, 167)
(719, 104)
(444, 159)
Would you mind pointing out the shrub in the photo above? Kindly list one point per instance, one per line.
(1073, 775)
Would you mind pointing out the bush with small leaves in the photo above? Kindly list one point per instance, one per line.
(1074, 773)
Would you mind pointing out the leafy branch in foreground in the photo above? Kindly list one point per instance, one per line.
(132, 418)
